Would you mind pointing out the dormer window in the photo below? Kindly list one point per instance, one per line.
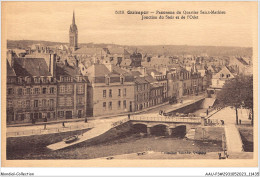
(28, 80)
(36, 80)
(107, 80)
(121, 80)
(20, 80)
(43, 80)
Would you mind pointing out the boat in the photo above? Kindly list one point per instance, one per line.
(71, 139)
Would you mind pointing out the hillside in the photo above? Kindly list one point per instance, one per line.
(153, 49)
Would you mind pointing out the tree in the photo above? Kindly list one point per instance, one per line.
(237, 93)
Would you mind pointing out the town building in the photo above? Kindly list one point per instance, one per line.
(111, 90)
(72, 92)
(142, 93)
(31, 90)
(219, 79)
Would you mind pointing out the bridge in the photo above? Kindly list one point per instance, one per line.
(168, 122)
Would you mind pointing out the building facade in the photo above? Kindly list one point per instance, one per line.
(111, 90)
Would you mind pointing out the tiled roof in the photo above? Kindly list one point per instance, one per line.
(10, 70)
(31, 67)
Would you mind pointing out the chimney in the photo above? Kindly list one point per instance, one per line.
(143, 71)
(52, 64)
(66, 63)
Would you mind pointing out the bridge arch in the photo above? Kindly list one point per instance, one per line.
(139, 127)
(159, 129)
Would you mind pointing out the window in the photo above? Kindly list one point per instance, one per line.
(19, 104)
(10, 91)
(121, 80)
(28, 91)
(44, 80)
(20, 91)
(61, 113)
(69, 101)
(80, 100)
(124, 92)
(119, 92)
(28, 80)
(44, 103)
(28, 105)
(9, 103)
(104, 105)
(110, 92)
(107, 80)
(51, 103)
(44, 90)
(124, 104)
(80, 89)
(36, 80)
(104, 93)
(52, 90)
(36, 90)
(62, 89)
(110, 105)
(36, 103)
(119, 104)
(20, 80)
(69, 88)
(24, 104)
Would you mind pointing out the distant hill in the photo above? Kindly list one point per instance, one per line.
(153, 49)
(195, 50)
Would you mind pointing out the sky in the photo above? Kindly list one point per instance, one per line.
(98, 23)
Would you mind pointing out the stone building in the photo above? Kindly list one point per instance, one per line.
(111, 90)
(72, 92)
(142, 93)
(31, 90)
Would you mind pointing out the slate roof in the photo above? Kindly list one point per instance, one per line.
(10, 70)
(242, 60)
(150, 79)
(141, 80)
(118, 51)
(149, 71)
(31, 67)
(135, 73)
(90, 51)
(63, 70)
(98, 70)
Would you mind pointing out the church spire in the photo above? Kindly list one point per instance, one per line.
(73, 19)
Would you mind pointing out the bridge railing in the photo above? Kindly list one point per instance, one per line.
(167, 119)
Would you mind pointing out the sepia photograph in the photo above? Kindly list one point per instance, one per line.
(129, 84)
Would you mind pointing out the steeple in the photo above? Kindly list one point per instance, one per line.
(73, 18)
(73, 34)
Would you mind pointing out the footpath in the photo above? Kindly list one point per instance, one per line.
(233, 139)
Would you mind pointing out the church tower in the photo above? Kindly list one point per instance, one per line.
(73, 35)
